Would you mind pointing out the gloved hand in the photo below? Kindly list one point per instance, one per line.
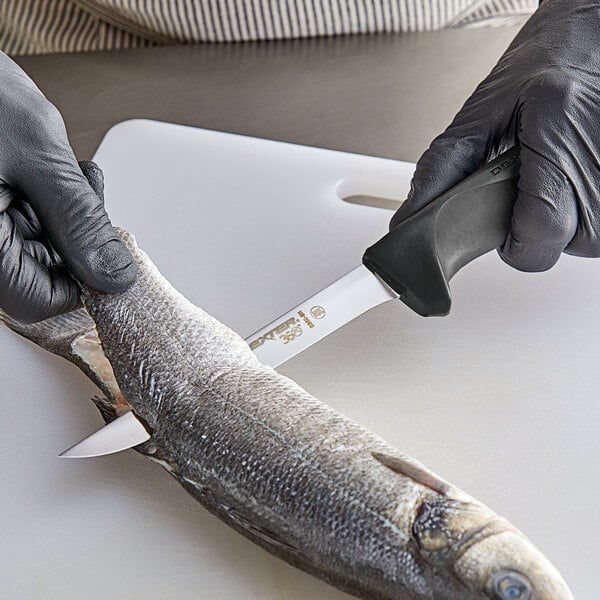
(51, 220)
(545, 94)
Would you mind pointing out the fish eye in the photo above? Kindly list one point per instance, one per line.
(509, 585)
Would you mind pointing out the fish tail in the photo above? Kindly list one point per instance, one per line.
(73, 336)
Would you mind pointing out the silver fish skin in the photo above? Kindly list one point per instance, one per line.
(282, 468)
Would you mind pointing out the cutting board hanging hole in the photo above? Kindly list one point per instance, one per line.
(373, 201)
(370, 192)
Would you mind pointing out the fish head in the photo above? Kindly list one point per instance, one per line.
(507, 566)
(486, 553)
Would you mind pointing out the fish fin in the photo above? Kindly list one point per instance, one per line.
(55, 334)
(73, 336)
(106, 407)
(414, 470)
(270, 538)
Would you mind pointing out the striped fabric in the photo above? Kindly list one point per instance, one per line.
(44, 26)
(492, 12)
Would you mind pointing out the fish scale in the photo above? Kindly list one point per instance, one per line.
(285, 470)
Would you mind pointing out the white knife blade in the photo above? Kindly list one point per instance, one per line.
(124, 432)
(318, 316)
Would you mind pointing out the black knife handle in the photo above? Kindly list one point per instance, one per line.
(419, 256)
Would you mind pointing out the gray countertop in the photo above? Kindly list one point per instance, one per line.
(384, 95)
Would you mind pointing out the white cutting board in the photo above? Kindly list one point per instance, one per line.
(501, 397)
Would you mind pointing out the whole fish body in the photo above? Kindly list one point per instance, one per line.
(285, 470)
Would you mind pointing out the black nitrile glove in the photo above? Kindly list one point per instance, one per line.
(544, 93)
(51, 219)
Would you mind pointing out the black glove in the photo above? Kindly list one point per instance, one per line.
(51, 220)
(545, 94)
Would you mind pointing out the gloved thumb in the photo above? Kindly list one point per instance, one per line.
(452, 156)
(72, 213)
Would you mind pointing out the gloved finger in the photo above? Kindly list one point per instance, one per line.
(41, 253)
(25, 220)
(71, 213)
(544, 217)
(586, 241)
(7, 196)
(30, 291)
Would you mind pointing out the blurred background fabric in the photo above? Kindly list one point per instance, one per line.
(55, 26)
